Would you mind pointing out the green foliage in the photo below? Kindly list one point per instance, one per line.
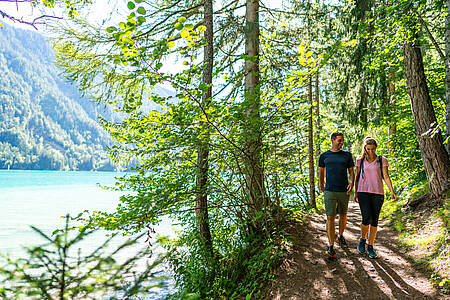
(60, 269)
(237, 271)
(122, 64)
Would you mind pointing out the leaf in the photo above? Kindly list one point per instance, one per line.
(131, 5)
(111, 29)
(171, 44)
(141, 10)
(178, 26)
(141, 19)
(184, 34)
(302, 61)
(189, 27)
(181, 19)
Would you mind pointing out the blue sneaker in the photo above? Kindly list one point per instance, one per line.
(372, 253)
(362, 246)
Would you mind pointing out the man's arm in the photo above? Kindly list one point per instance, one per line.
(322, 179)
(352, 180)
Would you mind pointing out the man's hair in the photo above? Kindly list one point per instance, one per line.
(334, 135)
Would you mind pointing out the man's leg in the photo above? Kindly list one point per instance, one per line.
(330, 229)
(342, 211)
(342, 223)
(330, 209)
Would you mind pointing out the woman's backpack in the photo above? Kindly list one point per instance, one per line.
(361, 167)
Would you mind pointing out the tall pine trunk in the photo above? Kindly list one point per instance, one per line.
(312, 189)
(317, 122)
(434, 156)
(252, 125)
(447, 74)
(392, 106)
(203, 151)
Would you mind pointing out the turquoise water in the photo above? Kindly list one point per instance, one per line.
(41, 198)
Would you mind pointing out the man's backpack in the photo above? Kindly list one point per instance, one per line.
(361, 167)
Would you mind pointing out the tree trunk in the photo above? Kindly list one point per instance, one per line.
(392, 124)
(363, 103)
(312, 189)
(317, 121)
(434, 156)
(203, 151)
(252, 124)
(447, 74)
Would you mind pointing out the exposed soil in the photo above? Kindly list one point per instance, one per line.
(307, 274)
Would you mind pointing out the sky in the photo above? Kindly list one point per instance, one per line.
(99, 10)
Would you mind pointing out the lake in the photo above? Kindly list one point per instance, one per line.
(40, 198)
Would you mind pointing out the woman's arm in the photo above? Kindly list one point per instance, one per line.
(388, 181)
(356, 183)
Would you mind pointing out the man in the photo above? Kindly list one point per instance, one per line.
(335, 163)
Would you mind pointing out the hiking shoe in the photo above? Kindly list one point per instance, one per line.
(341, 241)
(372, 253)
(362, 246)
(331, 253)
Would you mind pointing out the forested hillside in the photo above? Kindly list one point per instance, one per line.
(45, 123)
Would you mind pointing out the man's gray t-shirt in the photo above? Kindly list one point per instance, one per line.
(336, 165)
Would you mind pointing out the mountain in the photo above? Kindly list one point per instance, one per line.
(45, 123)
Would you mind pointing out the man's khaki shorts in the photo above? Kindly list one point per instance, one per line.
(335, 202)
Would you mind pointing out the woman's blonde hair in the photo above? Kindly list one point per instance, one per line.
(367, 141)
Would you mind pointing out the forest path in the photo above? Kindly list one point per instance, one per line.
(307, 274)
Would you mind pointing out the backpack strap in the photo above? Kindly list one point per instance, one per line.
(380, 162)
(361, 169)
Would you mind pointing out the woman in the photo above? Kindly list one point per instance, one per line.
(369, 192)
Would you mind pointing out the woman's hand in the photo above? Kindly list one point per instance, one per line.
(394, 196)
(356, 199)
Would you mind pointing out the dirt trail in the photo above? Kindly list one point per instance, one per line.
(307, 274)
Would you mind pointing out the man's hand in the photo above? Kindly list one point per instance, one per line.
(322, 188)
(394, 196)
(349, 188)
(356, 198)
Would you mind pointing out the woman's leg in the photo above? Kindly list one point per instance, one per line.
(372, 234)
(375, 207)
(364, 203)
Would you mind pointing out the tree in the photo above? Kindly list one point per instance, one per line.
(434, 156)
(203, 148)
(312, 190)
(58, 269)
(252, 125)
(447, 73)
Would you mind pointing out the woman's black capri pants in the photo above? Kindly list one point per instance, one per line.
(370, 205)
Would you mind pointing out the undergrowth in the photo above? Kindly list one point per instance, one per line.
(424, 233)
(239, 270)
